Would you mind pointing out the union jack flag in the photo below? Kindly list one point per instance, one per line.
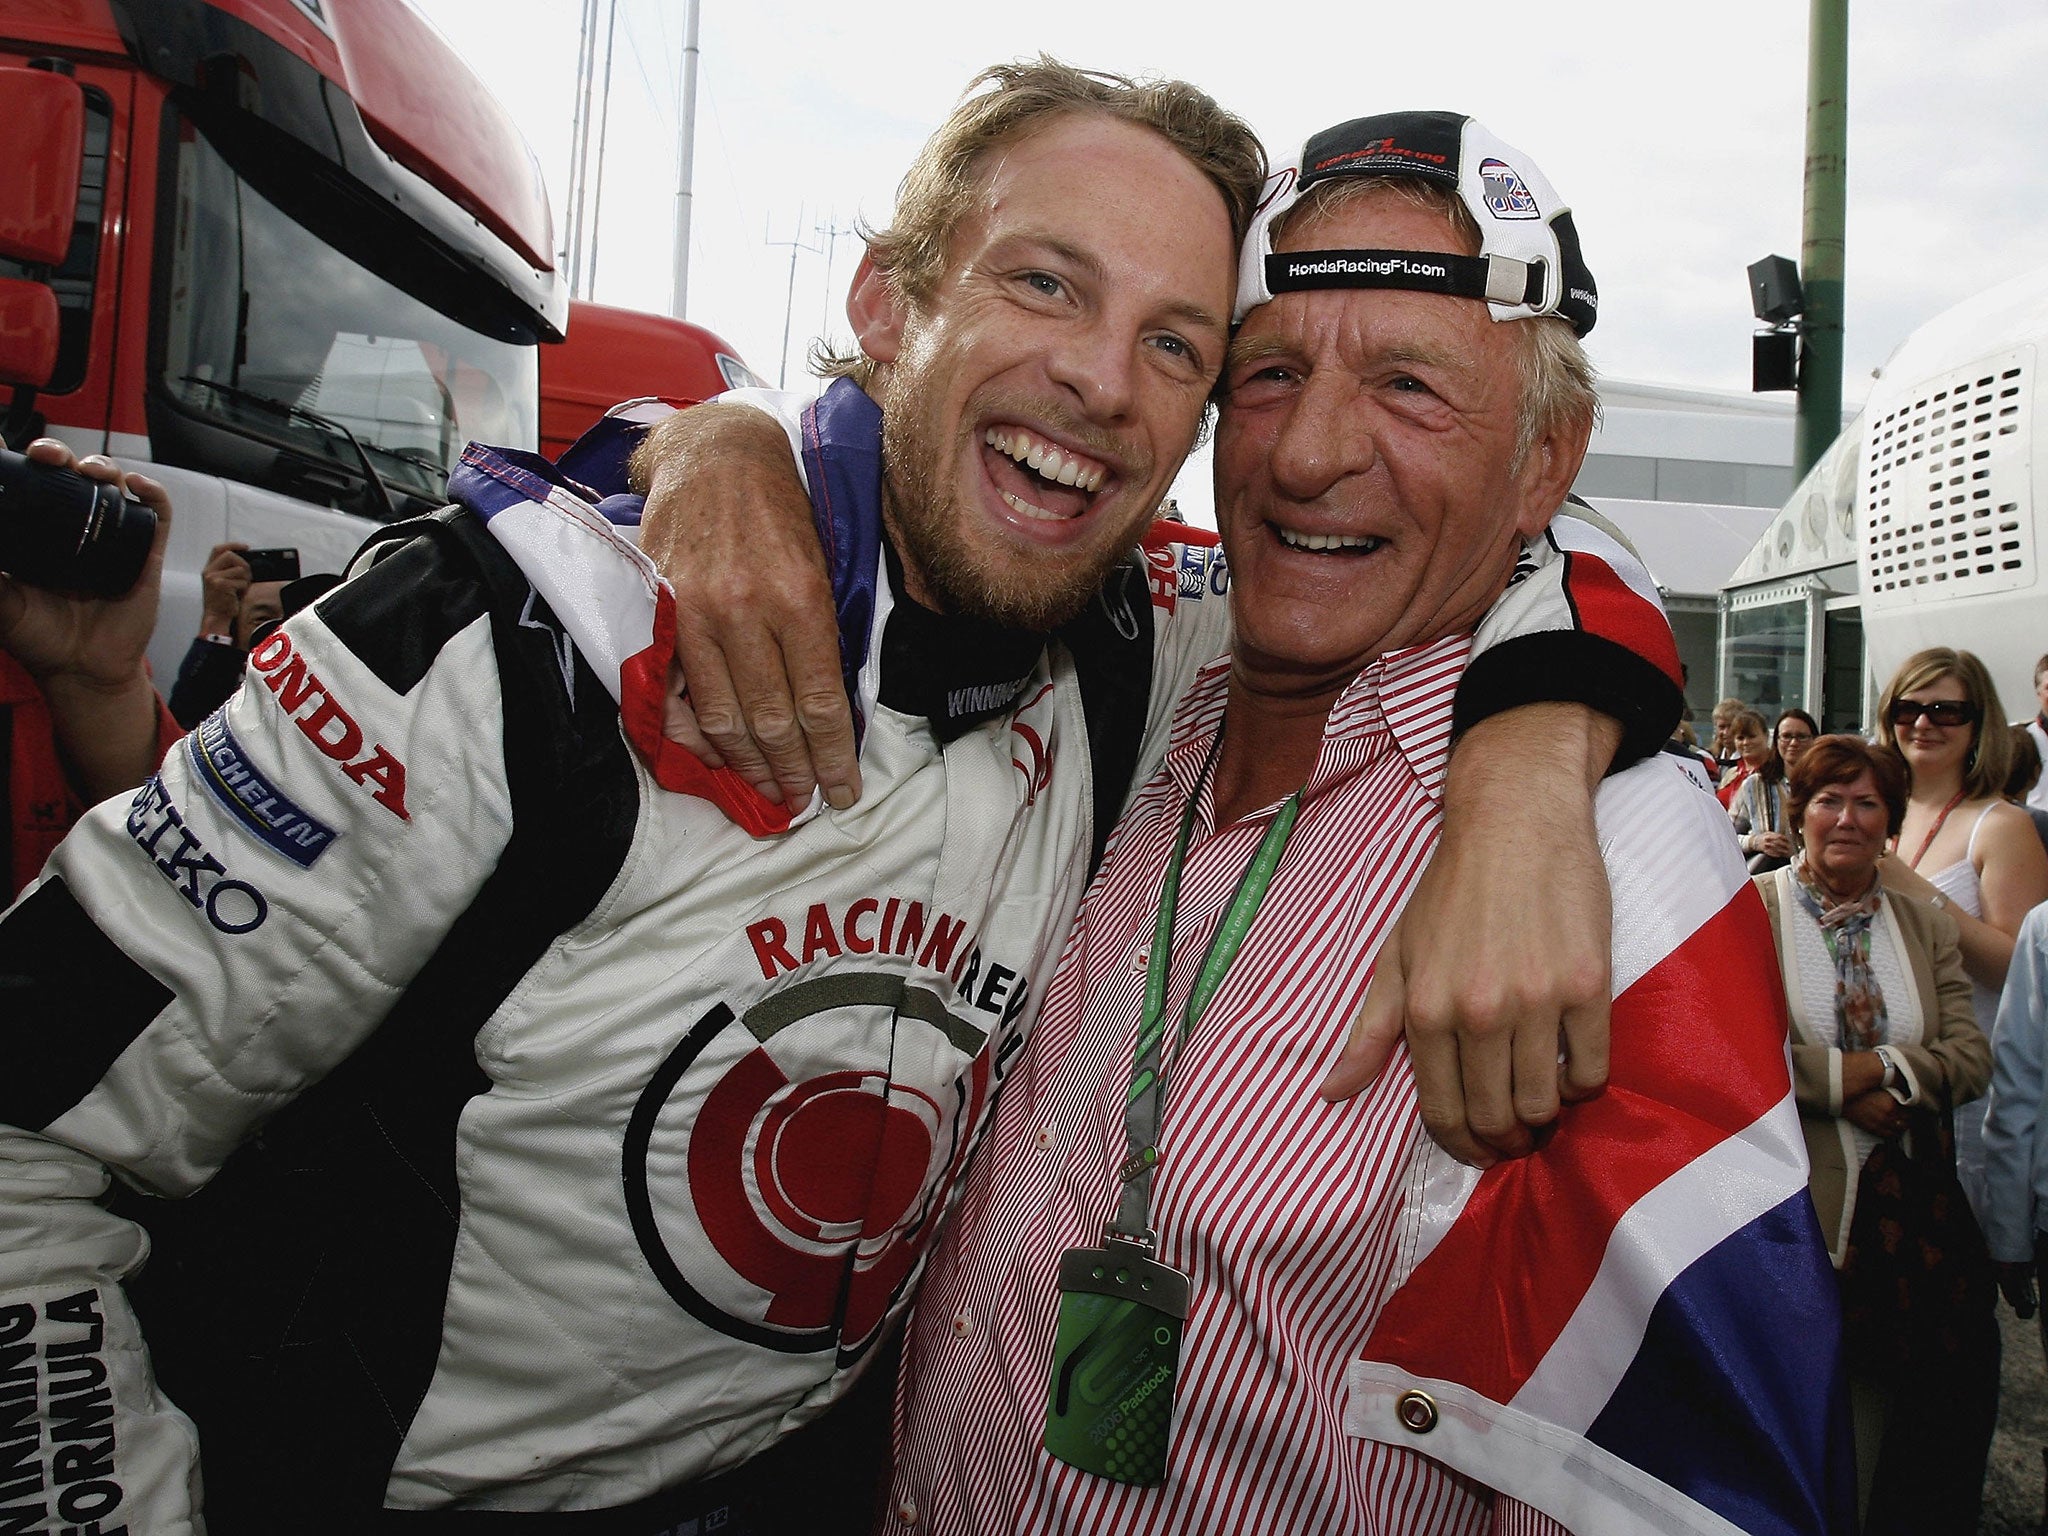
(1581, 1326)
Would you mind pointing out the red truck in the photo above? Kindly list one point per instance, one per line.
(290, 255)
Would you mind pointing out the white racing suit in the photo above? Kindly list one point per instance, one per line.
(550, 1141)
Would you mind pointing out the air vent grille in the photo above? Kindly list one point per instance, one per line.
(1947, 491)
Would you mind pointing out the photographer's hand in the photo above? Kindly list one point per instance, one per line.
(86, 653)
(222, 584)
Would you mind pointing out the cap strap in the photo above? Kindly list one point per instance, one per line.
(1510, 280)
(1500, 279)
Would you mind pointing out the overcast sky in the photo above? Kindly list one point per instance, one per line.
(1676, 132)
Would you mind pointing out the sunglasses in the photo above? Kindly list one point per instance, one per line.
(1941, 712)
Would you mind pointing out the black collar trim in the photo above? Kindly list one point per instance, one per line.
(956, 671)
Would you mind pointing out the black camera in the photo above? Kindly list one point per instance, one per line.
(61, 531)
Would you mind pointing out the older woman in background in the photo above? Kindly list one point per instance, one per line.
(1881, 1022)
(1758, 805)
(1961, 848)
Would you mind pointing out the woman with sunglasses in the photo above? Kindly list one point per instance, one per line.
(1758, 805)
(1961, 847)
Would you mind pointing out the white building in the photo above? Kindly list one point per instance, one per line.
(1918, 527)
(1692, 477)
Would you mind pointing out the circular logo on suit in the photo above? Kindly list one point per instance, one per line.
(784, 1168)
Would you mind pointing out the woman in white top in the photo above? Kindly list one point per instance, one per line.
(1962, 849)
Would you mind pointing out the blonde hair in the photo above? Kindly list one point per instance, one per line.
(1990, 761)
(1004, 104)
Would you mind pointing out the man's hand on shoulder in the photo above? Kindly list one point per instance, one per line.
(728, 523)
(1500, 963)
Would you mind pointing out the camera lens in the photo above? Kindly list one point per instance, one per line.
(64, 532)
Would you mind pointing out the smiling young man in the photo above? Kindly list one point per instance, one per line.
(601, 1143)
(1022, 352)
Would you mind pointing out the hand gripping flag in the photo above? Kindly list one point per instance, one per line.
(559, 522)
(1636, 1329)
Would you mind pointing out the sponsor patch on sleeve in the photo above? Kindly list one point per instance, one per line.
(259, 807)
(305, 697)
(230, 905)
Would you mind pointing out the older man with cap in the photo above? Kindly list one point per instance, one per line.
(1185, 1293)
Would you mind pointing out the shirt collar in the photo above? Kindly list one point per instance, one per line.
(1401, 701)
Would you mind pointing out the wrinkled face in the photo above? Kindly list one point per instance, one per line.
(1926, 746)
(1793, 736)
(1363, 487)
(1037, 405)
(1751, 742)
(1843, 830)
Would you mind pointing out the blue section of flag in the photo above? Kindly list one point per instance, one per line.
(1745, 1412)
(487, 480)
(598, 460)
(842, 431)
(259, 807)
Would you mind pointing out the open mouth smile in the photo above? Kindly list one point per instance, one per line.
(1048, 483)
(1326, 543)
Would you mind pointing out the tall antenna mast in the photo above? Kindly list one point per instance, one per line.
(789, 299)
(831, 230)
(586, 44)
(604, 126)
(685, 157)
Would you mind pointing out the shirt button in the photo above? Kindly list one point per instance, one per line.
(1142, 958)
(1045, 1138)
(963, 1323)
(906, 1511)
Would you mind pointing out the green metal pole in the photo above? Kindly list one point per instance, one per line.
(1820, 258)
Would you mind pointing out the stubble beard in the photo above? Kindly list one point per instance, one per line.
(963, 570)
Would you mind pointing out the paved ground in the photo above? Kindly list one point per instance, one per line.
(2013, 1486)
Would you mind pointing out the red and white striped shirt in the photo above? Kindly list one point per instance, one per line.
(1285, 1211)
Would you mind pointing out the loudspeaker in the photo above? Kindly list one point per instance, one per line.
(1774, 292)
(1774, 361)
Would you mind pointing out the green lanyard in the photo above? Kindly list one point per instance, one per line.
(1147, 1101)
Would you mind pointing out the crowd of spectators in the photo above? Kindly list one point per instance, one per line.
(1900, 871)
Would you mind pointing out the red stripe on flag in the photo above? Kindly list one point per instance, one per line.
(643, 694)
(1698, 1054)
(1610, 608)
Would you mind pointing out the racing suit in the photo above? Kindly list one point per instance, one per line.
(550, 1141)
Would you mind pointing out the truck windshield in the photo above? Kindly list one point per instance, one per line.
(276, 333)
